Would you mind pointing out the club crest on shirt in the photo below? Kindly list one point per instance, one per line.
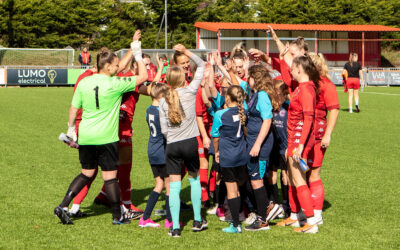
(282, 113)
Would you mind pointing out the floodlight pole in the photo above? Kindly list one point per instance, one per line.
(166, 21)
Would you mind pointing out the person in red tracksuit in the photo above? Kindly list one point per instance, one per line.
(204, 123)
(301, 138)
(327, 100)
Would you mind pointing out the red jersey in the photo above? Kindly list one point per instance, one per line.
(301, 115)
(129, 99)
(201, 110)
(88, 72)
(327, 100)
(152, 72)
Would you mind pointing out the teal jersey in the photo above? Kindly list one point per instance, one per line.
(100, 96)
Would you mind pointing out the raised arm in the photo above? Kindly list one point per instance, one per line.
(136, 50)
(198, 77)
(128, 56)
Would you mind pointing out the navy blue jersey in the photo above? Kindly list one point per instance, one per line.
(279, 125)
(156, 146)
(260, 109)
(232, 145)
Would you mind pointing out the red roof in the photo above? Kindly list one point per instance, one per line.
(309, 27)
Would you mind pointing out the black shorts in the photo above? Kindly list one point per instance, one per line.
(159, 171)
(105, 156)
(216, 166)
(234, 174)
(183, 151)
(277, 161)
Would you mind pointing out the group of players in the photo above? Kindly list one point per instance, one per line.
(232, 114)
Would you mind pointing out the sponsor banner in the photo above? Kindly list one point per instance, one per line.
(337, 79)
(394, 77)
(2, 76)
(379, 78)
(37, 77)
(73, 75)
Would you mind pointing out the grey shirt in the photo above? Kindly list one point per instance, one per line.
(187, 96)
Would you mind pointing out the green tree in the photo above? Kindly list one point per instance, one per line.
(229, 11)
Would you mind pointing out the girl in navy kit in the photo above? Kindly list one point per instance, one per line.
(156, 154)
(260, 140)
(230, 150)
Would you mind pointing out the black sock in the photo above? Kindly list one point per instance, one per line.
(74, 188)
(112, 191)
(221, 194)
(275, 194)
(151, 202)
(168, 213)
(270, 191)
(261, 200)
(249, 193)
(234, 206)
(285, 192)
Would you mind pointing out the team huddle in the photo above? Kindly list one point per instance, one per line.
(227, 112)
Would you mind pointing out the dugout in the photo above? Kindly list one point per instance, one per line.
(334, 41)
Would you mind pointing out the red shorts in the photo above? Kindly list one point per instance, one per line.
(125, 132)
(202, 151)
(316, 155)
(353, 83)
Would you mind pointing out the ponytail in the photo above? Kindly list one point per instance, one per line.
(175, 112)
(236, 94)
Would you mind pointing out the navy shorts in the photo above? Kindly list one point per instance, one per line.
(256, 168)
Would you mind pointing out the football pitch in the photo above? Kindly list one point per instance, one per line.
(361, 173)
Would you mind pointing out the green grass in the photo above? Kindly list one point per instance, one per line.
(360, 174)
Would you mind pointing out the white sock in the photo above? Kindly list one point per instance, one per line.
(311, 221)
(75, 208)
(356, 103)
(293, 216)
(123, 209)
(318, 213)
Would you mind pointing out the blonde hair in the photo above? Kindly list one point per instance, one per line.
(263, 82)
(158, 89)
(352, 58)
(175, 78)
(238, 52)
(320, 64)
(236, 94)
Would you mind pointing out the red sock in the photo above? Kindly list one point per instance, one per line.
(317, 194)
(82, 194)
(204, 183)
(124, 181)
(306, 202)
(211, 181)
(293, 201)
(102, 195)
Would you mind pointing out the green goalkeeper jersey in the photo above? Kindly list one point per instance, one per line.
(100, 96)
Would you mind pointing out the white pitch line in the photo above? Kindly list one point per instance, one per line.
(376, 93)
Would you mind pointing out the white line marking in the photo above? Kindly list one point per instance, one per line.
(376, 93)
